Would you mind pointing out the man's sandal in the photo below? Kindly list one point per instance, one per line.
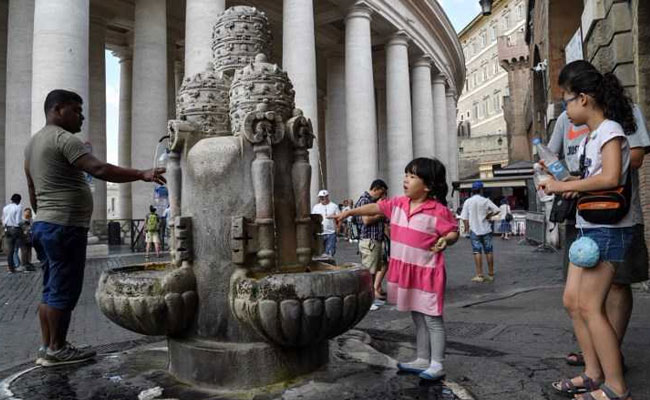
(608, 392)
(569, 389)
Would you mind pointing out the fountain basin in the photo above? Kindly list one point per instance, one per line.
(150, 298)
(296, 308)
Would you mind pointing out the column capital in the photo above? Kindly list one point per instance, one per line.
(399, 38)
(359, 10)
(98, 20)
(451, 92)
(123, 53)
(438, 80)
(424, 61)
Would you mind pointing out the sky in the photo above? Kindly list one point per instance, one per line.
(460, 12)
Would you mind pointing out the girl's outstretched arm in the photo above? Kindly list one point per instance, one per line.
(368, 209)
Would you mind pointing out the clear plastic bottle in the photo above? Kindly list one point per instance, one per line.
(540, 176)
(553, 164)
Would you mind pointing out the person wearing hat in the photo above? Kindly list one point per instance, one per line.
(477, 210)
(327, 209)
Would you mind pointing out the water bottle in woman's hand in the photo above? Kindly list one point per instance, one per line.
(553, 164)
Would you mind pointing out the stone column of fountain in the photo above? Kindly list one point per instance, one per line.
(242, 301)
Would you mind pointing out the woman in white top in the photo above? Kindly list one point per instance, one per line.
(600, 102)
(505, 228)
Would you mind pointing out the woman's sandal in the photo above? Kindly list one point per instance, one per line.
(568, 388)
(575, 359)
(609, 394)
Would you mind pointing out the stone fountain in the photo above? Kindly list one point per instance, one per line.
(243, 303)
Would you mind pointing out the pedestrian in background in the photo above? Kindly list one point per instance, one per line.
(26, 241)
(421, 229)
(504, 214)
(327, 210)
(152, 237)
(476, 214)
(371, 237)
(11, 218)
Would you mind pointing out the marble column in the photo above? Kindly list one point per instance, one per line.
(4, 11)
(200, 16)
(20, 30)
(178, 76)
(171, 74)
(441, 134)
(96, 109)
(336, 140)
(398, 109)
(382, 139)
(361, 123)
(60, 54)
(452, 167)
(124, 132)
(299, 61)
(149, 94)
(422, 108)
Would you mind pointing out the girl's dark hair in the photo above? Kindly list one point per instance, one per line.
(434, 175)
(582, 77)
(152, 209)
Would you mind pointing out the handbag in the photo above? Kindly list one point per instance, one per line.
(509, 217)
(562, 209)
(605, 207)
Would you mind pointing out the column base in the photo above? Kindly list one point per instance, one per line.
(97, 250)
(230, 366)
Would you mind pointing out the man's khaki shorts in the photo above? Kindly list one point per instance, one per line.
(152, 237)
(371, 255)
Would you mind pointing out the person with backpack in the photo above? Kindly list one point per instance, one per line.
(152, 225)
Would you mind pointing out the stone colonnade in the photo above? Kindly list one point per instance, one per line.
(59, 44)
(414, 115)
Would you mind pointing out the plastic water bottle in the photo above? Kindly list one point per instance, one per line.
(553, 164)
(540, 176)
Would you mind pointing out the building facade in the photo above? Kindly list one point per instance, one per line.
(483, 131)
(378, 79)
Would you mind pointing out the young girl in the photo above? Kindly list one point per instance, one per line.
(421, 227)
(598, 101)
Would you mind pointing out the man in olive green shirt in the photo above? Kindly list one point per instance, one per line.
(55, 160)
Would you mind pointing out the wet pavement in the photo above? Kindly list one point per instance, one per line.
(355, 371)
(506, 340)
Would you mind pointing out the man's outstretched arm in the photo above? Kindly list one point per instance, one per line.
(112, 173)
(30, 187)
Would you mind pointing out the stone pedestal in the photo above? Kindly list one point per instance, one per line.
(212, 364)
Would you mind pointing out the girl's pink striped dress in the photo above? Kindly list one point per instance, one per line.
(416, 275)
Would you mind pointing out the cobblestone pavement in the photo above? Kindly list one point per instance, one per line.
(19, 328)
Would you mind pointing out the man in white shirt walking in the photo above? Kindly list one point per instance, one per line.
(476, 214)
(11, 218)
(327, 209)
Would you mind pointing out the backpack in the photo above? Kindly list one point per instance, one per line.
(152, 223)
